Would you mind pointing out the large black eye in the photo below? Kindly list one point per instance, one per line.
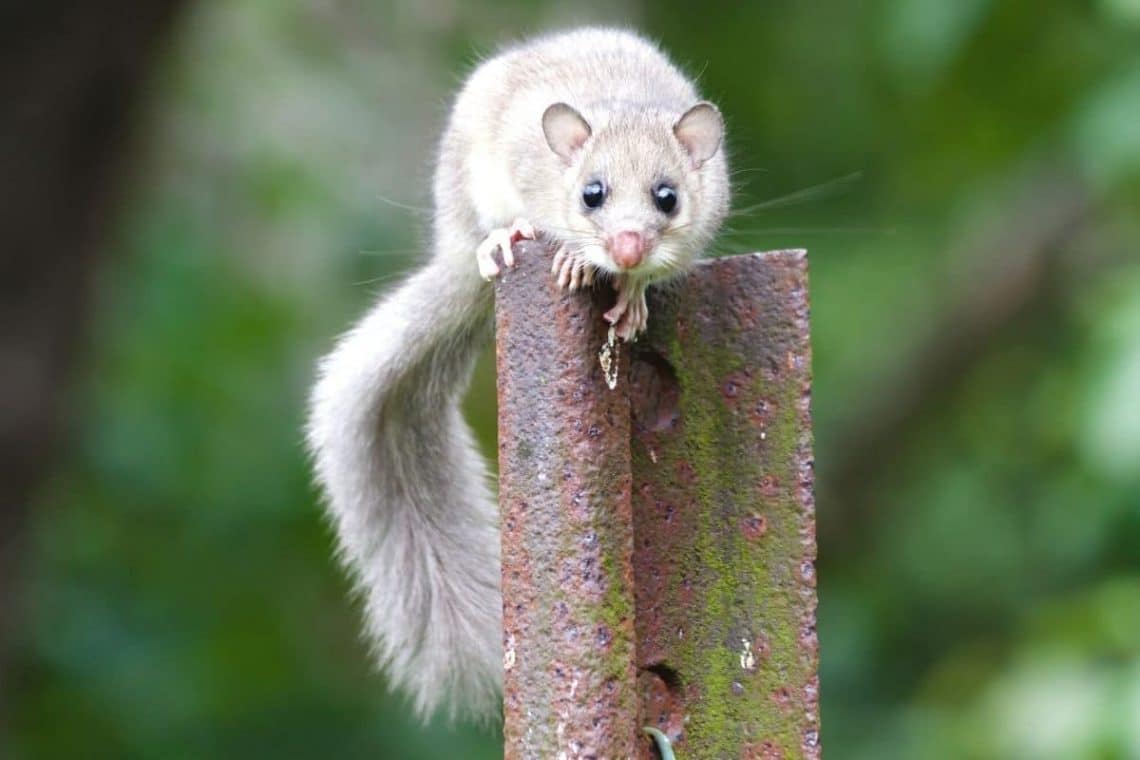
(593, 194)
(665, 198)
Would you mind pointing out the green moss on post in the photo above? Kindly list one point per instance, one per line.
(723, 513)
(659, 538)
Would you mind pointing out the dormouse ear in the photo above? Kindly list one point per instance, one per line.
(700, 130)
(565, 130)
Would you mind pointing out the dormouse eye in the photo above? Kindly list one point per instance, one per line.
(665, 198)
(593, 194)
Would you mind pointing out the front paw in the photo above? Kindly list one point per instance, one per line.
(501, 238)
(629, 315)
(571, 271)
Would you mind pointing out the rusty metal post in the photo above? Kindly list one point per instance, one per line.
(724, 513)
(570, 686)
(659, 538)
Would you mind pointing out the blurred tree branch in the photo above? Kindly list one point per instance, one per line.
(70, 80)
(1009, 272)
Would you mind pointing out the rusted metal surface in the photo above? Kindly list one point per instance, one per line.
(724, 514)
(564, 493)
(659, 538)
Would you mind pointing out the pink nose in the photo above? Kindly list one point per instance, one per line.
(627, 249)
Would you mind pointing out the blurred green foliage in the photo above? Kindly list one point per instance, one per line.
(979, 569)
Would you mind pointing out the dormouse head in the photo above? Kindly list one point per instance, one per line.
(647, 188)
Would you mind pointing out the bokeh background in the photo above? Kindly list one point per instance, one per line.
(965, 174)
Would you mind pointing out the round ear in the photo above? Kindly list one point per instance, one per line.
(565, 130)
(700, 130)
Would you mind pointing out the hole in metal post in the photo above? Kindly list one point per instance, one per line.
(668, 675)
(655, 393)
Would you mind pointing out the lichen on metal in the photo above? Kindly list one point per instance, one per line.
(659, 538)
(723, 511)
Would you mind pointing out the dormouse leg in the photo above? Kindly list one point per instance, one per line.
(629, 315)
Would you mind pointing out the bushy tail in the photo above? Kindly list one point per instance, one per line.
(407, 490)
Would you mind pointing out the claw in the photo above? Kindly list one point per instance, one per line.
(576, 274)
(571, 272)
(630, 314)
(485, 258)
(564, 272)
(521, 228)
(501, 238)
(619, 308)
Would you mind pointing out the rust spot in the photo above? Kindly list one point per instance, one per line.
(811, 742)
(811, 690)
(807, 533)
(685, 593)
(685, 473)
(765, 750)
(761, 647)
(809, 640)
(762, 412)
(783, 698)
(807, 572)
(734, 385)
(745, 312)
(754, 526)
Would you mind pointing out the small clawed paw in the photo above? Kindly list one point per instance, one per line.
(629, 315)
(571, 272)
(501, 239)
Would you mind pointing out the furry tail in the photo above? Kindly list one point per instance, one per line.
(407, 491)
